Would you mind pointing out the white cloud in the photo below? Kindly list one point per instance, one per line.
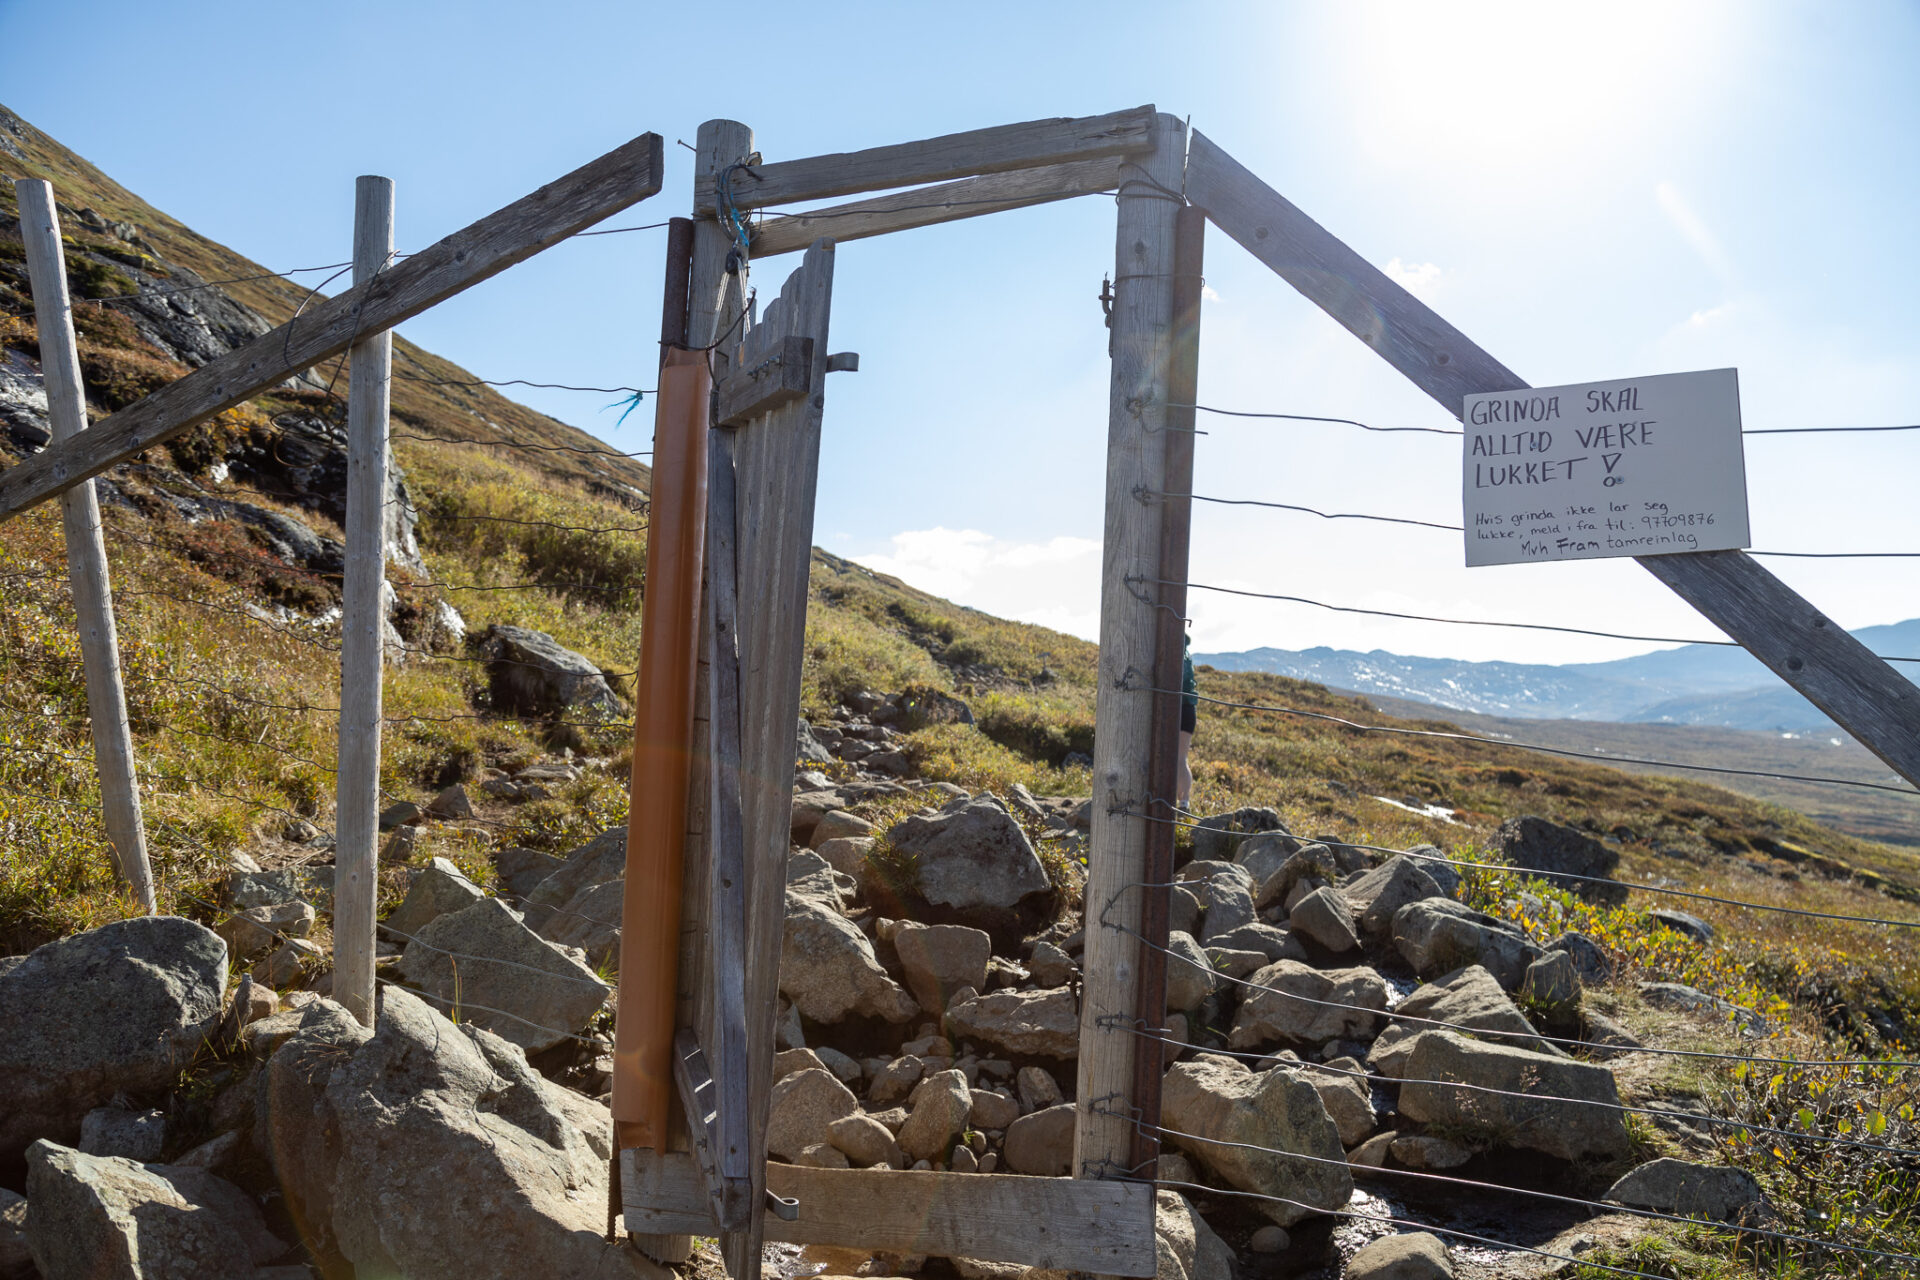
(1710, 315)
(1210, 293)
(1054, 582)
(1693, 229)
(1417, 278)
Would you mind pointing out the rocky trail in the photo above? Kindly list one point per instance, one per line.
(188, 1101)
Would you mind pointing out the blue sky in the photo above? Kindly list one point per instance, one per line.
(1588, 191)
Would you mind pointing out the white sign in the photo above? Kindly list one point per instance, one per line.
(1634, 467)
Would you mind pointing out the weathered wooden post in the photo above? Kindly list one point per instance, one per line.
(1143, 342)
(86, 548)
(362, 648)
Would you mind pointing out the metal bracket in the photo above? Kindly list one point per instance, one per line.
(844, 362)
(784, 375)
(727, 1197)
(782, 1208)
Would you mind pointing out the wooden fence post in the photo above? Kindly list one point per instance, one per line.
(86, 548)
(1137, 416)
(363, 610)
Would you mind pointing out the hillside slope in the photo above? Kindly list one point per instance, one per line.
(228, 633)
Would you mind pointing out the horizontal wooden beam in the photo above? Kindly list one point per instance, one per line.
(597, 190)
(1067, 1224)
(927, 206)
(956, 155)
(1834, 671)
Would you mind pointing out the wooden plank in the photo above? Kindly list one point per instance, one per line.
(1163, 762)
(725, 1029)
(363, 619)
(87, 573)
(1065, 1224)
(1028, 145)
(1142, 331)
(616, 180)
(776, 468)
(927, 206)
(783, 374)
(1736, 593)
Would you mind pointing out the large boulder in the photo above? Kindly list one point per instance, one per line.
(1302, 1007)
(828, 969)
(1041, 1144)
(1439, 935)
(1325, 919)
(1187, 1247)
(1190, 972)
(486, 964)
(439, 889)
(599, 860)
(1523, 1099)
(941, 959)
(1272, 1119)
(1228, 901)
(1305, 869)
(941, 1107)
(1549, 848)
(1467, 998)
(590, 920)
(1410, 1255)
(1694, 1190)
(1377, 894)
(115, 1219)
(118, 1009)
(971, 861)
(531, 673)
(1027, 1024)
(802, 1109)
(432, 1151)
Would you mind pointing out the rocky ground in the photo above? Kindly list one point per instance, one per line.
(186, 1101)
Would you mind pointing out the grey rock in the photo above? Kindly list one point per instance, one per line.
(439, 889)
(807, 748)
(1183, 909)
(1343, 1091)
(1593, 962)
(531, 673)
(1221, 835)
(1546, 847)
(1695, 1191)
(521, 869)
(1424, 1151)
(1274, 944)
(152, 990)
(1372, 1154)
(1683, 923)
(1304, 1007)
(993, 1110)
(287, 884)
(112, 1217)
(866, 1142)
(1050, 966)
(1198, 872)
(1041, 1144)
(503, 976)
(1043, 1024)
(289, 963)
(1313, 864)
(452, 804)
(788, 1061)
(1229, 964)
(1186, 1246)
(828, 969)
(1190, 975)
(972, 858)
(811, 876)
(1037, 1088)
(1542, 1103)
(1377, 894)
(1435, 863)
(844, 1069)
(599, 860)
(256, 930)
(848, 855)
(1553, 984)
(399, 814)
(1269, 1239)
(801, 1108)
(1606, 1038)
(1467, 998)
(895, 1081)
(16, 1259)
(1324, 918)
(837, 824)
(1272, 1115)
(139, 1136)
(1439, 935)
(941, 1104)
(941, 959)
(1265, 853)
(1228, 904)
(1413, 1255)
(590, 920)
(391, 1145)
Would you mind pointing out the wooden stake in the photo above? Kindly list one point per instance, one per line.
(1137, 417)
(1176, 527)
(86, 547)
(363, 617)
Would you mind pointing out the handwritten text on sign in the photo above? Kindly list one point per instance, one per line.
(1634, 467)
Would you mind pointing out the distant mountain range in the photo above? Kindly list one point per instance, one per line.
(1696, 684)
